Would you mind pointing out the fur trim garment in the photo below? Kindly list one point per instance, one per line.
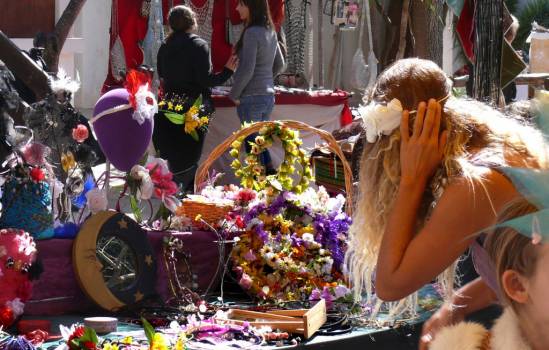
(505, 335)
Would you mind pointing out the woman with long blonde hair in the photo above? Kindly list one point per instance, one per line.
(429, 181)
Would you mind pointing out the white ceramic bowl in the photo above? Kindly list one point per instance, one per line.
(102, 325)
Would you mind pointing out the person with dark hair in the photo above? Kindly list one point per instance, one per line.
(260, 60)
(185, 70)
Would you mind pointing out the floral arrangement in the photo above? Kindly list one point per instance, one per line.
(235, 197)
(194, 334)
(252, 173)
(193, 119)
(293, 247)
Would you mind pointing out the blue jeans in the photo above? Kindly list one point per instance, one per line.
(256, 108)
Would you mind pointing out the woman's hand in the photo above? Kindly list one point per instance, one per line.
(421, 152)
(236, 102)
(445, 316)
(232, 63)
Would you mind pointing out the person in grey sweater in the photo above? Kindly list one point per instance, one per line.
(260, 60)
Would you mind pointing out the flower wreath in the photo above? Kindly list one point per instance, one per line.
(252, 174)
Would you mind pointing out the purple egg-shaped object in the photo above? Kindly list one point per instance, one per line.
(122, 139)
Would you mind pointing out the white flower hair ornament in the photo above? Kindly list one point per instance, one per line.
(381, 119)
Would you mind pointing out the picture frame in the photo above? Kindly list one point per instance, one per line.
(345, 13)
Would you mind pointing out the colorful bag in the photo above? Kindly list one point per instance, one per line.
(27, 205)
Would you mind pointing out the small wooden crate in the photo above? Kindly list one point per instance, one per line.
(301, 321)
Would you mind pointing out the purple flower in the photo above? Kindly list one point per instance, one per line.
(315, 295)
(328, 297)
(341, 291)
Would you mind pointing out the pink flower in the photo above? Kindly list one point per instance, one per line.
(250, 256)
(245, 281)
(97, 200)
(35, 153)
(80, 133)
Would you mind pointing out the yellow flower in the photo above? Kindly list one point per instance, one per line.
(67, 161)
(260, 140)
(180, 343)
(236, 144)
(234, 153)
(178, 108)
(198, 217)
(161, 103)
(170, 105)
(159, 342)
(190, 126)
(127, 340)
(235, 164)
(109, 346)
(192, 112)
(255, 149)
(204, 120)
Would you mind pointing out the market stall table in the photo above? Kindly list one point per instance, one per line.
(323, 109)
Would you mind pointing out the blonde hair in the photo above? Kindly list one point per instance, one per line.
(477, 134)
(509, 249)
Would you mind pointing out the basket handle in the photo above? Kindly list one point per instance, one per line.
(218, 151)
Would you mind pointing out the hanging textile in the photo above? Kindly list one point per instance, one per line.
(117, 57)
(203, 10)
(132, 28)
(488, 47)
(295, 29)
(153, 39)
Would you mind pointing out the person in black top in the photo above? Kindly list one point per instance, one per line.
(185, 70)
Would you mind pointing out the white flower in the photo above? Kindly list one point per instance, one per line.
(16, 306)
(146, 186)
(335, 205)
(146, 106)
(380, 119)
(97, 200)
(308, 237)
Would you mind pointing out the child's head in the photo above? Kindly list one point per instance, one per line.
(521, 266)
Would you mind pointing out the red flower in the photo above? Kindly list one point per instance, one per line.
(80, 133)
(37, 174)
(89, 345)
(6, 316)
(239, 222)
(246, 195)
(163, 184)
(37, 337)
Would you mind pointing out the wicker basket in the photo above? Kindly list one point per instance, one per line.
(210, 212)
(202, 172)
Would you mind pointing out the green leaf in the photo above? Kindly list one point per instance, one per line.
(135, 209)
(149, 330)
(198, 102)
(194, 135)
(91, 335)
(175, 118)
